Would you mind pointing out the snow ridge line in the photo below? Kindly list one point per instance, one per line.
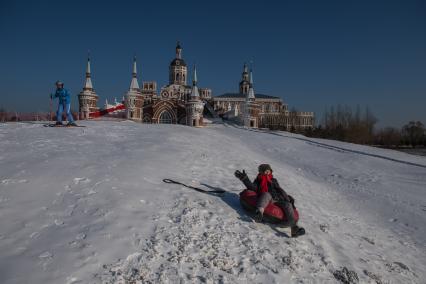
(331, 147)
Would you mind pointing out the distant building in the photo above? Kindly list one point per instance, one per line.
(176, 103)
(259, 110)
(180, 103)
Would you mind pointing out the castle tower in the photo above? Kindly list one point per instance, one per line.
(178, 69)
(87, 98)
(245, 84)
(251, 108)
(133, 99)
(194, 106)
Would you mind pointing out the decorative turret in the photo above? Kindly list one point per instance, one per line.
(133, 99)
(194, 91)
(88, 84)
(194, 105)
(245, 72)
(178, 69)
(134, 85)
(244, 84)
(178, 50)
(88, 98)
(250, 95)
(251, 108)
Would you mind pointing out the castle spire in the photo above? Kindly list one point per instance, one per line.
(134, 67)
(194, 105)
(134, 85)
(250, 95)
(88, 84)
(194, 79)
(178, 50)
(87, 98)
(245, 68)
(194, 91)
(88, 65)
(245, 77)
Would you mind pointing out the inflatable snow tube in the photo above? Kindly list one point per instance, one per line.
(273, 213)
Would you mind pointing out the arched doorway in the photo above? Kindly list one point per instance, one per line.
(166, 117)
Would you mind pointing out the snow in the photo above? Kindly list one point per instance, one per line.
(88, 205)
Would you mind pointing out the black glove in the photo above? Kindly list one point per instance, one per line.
(240, 175)
(291, 200)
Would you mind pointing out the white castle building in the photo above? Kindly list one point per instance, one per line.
(259, 110)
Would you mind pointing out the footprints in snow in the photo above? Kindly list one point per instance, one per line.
(81, 180)
(45, 259)
(324, 227)
(191, 243)
(13, 181)
(35, 235)
(71, 204)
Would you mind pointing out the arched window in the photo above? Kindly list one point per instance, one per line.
(166, 117)
(177, 77)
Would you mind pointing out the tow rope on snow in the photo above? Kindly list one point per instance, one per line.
(166, 180)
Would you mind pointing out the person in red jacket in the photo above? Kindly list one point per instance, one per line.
(269, 190)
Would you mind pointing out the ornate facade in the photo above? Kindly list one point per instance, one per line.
(259, 110)
(176, 103)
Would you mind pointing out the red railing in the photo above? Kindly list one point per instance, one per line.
(103, 112)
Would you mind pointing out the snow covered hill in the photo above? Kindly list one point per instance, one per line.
(88, 205)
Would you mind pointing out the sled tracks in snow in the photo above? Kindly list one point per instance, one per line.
(196, 241)
(332, 147)
(193, 243)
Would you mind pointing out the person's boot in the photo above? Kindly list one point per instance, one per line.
(58, 123)
(72, 123)
(297, 231)
(258, 215)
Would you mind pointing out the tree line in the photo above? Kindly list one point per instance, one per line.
(7, 116)
(357, 125)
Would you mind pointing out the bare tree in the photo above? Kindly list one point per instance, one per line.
(389, 137)
(342, 124)
(3, 115)
(413, 133)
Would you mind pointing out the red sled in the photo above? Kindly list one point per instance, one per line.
(272, 214)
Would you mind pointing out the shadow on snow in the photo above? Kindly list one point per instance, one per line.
(232, 199)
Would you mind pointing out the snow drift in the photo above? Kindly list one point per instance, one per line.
(88, 205)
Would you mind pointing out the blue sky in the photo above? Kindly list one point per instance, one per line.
(313, 54)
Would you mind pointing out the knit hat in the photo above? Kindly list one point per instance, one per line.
(263, 167)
